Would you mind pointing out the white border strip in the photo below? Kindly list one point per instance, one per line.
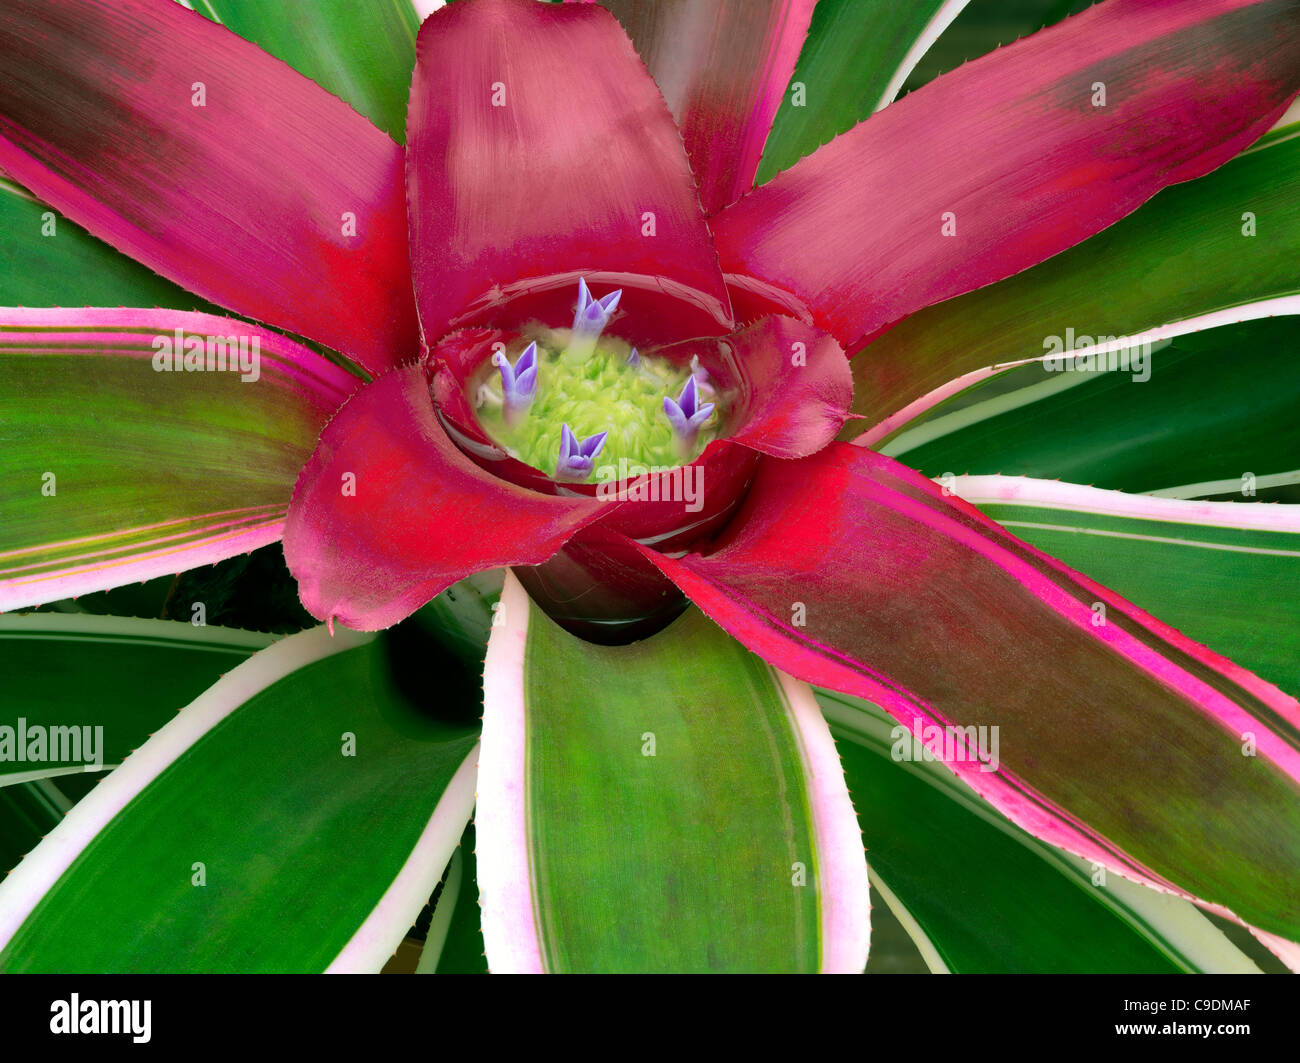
(919, 937)
(1169, 540)
(440, 924)
(425, 8)
(1281, 306)
(1223, 487)
(15, 190)
(45, 865)
(384, 928)
(843, 887)
(133, 630)
(1076, 498)
(16, 777)
(1173, 925)
(941, 21)
(505, 879)
(983, 410)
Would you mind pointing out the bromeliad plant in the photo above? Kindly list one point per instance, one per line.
(560, 332)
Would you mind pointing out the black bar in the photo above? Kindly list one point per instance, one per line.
(868, 1013)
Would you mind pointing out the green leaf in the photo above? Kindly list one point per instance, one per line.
(1181, 257)
(364, 53)
(672, 805)
(979, 894)
(112, 471)
(68, 675)
(250, 833)
(982, 27)
(1196, 427)
(1212, 570)
(46, 260)
(854, 61)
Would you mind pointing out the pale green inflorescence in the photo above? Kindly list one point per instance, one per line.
(594, 392)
